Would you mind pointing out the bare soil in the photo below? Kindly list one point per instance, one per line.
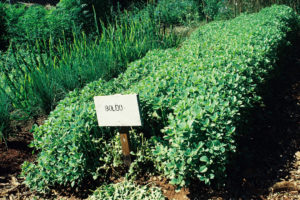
(12, 157)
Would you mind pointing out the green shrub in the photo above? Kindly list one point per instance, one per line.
(211, 8)
(28, 24)
(172, 12)
(13, 14)
(193, 102)
(127, 190)
(80, 13)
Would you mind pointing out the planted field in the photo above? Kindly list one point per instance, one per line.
(194, 103)
(200, 102)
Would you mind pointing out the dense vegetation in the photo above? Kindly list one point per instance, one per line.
(25, 23)
(37, 76)
(194, 99)
(46, 77)
(194, 103)
(170, 12)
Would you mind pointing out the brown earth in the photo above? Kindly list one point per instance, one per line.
(11, 158)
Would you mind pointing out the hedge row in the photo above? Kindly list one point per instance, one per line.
(192, 101)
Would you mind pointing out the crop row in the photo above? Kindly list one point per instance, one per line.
(193, 101)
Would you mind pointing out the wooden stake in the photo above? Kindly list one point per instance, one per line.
(124, 136)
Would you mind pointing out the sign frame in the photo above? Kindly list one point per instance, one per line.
(122, 126)
(113, 110)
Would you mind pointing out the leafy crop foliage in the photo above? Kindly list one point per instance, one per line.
(192, 101)
(127, 190)
(37, 80)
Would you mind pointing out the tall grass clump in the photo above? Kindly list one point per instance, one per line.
(39, 79)
(194, 102)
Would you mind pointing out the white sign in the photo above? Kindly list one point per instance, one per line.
(118, 110)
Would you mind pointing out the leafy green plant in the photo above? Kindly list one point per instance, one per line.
(174, 12)
(31, 23)
(80, 13)
(211, 8)
(193, 100)
(127, 190)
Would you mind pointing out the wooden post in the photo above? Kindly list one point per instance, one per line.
(124, 136)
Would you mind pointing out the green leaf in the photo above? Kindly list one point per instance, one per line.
(203, 169)
(204, 159)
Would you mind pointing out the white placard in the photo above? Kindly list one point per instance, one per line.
(118, 110)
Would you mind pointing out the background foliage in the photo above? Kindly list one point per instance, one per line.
(173, 12)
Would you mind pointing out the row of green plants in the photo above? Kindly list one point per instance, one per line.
(37, 76)
(194, 102)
